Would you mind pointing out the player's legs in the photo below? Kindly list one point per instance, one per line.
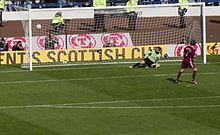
(155, 65)
(194, 71)
(183, 66)
(102, 22)
(132, 20)
(138, 64)
(148, 63)
(0, 17)
(179, 74)
(181, 13)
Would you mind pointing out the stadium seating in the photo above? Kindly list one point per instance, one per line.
(88, 3)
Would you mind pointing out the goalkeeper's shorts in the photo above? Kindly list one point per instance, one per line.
(148, 62)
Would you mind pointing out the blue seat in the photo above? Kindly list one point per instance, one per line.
(151, 2)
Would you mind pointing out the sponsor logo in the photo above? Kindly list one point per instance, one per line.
(178, 51)
(213, 49)
(82, 41)
(117, 39)
(58, 44)
(14, 40)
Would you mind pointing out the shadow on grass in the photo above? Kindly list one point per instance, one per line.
(173, 80)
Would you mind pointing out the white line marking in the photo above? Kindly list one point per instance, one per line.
(76, 105)
(99, 78)
(111, 107)
(146, 100)
(133, 107)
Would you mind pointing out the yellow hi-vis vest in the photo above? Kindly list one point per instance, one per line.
(57, 19)
(2, 4)
(184, 6)
(131, 3)
(99, 3)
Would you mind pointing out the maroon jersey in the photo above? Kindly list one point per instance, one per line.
(188, 57)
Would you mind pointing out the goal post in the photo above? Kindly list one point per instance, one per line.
(113, 34)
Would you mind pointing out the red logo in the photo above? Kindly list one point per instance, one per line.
(59, 44)
(14, 40)
(82, 41)
(117, 39)
(178, 51)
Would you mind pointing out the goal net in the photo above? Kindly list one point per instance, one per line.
(113, 34)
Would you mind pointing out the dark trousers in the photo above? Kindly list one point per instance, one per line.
(58, 27)
(99, 21)
(132, 16)
(0, 17)
(182, 12)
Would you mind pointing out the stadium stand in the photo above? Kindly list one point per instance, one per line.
(87, 3)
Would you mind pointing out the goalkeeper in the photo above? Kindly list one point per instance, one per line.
(150, 60)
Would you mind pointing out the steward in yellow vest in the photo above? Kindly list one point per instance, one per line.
(132, 15)
(182, 11)
(58, 22)
(2, 6)
(99, 16)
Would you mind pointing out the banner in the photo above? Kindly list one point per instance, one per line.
(78, 55)
(100, 54)
(213, 48)
(75, 41)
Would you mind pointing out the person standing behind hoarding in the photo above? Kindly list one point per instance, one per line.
(2, 6)
(99, 15)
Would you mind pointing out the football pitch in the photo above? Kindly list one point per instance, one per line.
(110, 100)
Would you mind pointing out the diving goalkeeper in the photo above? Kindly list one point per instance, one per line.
(150, 60)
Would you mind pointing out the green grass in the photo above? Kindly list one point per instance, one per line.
(110, 100)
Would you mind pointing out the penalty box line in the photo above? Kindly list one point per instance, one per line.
(99, 78)
(112, 107)
(134, 107)
(82, 105)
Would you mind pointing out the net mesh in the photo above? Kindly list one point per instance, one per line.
(128, 33)
(23, 15)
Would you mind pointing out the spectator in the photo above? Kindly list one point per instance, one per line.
(99, 16)
(2, 6)
(182, 11)
(109, 43)
(9, 6)
(50, 42)
(132, 15)
(58, 22)
(18, 46)
(3, 45)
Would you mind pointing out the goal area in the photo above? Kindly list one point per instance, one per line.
(108, 35)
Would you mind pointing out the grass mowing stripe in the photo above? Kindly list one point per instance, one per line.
(84, 67)
(112, 107)
(99, 78)
(110, 102)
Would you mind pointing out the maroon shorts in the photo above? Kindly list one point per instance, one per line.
(188, 64)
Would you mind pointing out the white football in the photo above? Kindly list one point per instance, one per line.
(38, 26)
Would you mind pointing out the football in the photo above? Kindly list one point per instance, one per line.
(64, 62)
(38, 26)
